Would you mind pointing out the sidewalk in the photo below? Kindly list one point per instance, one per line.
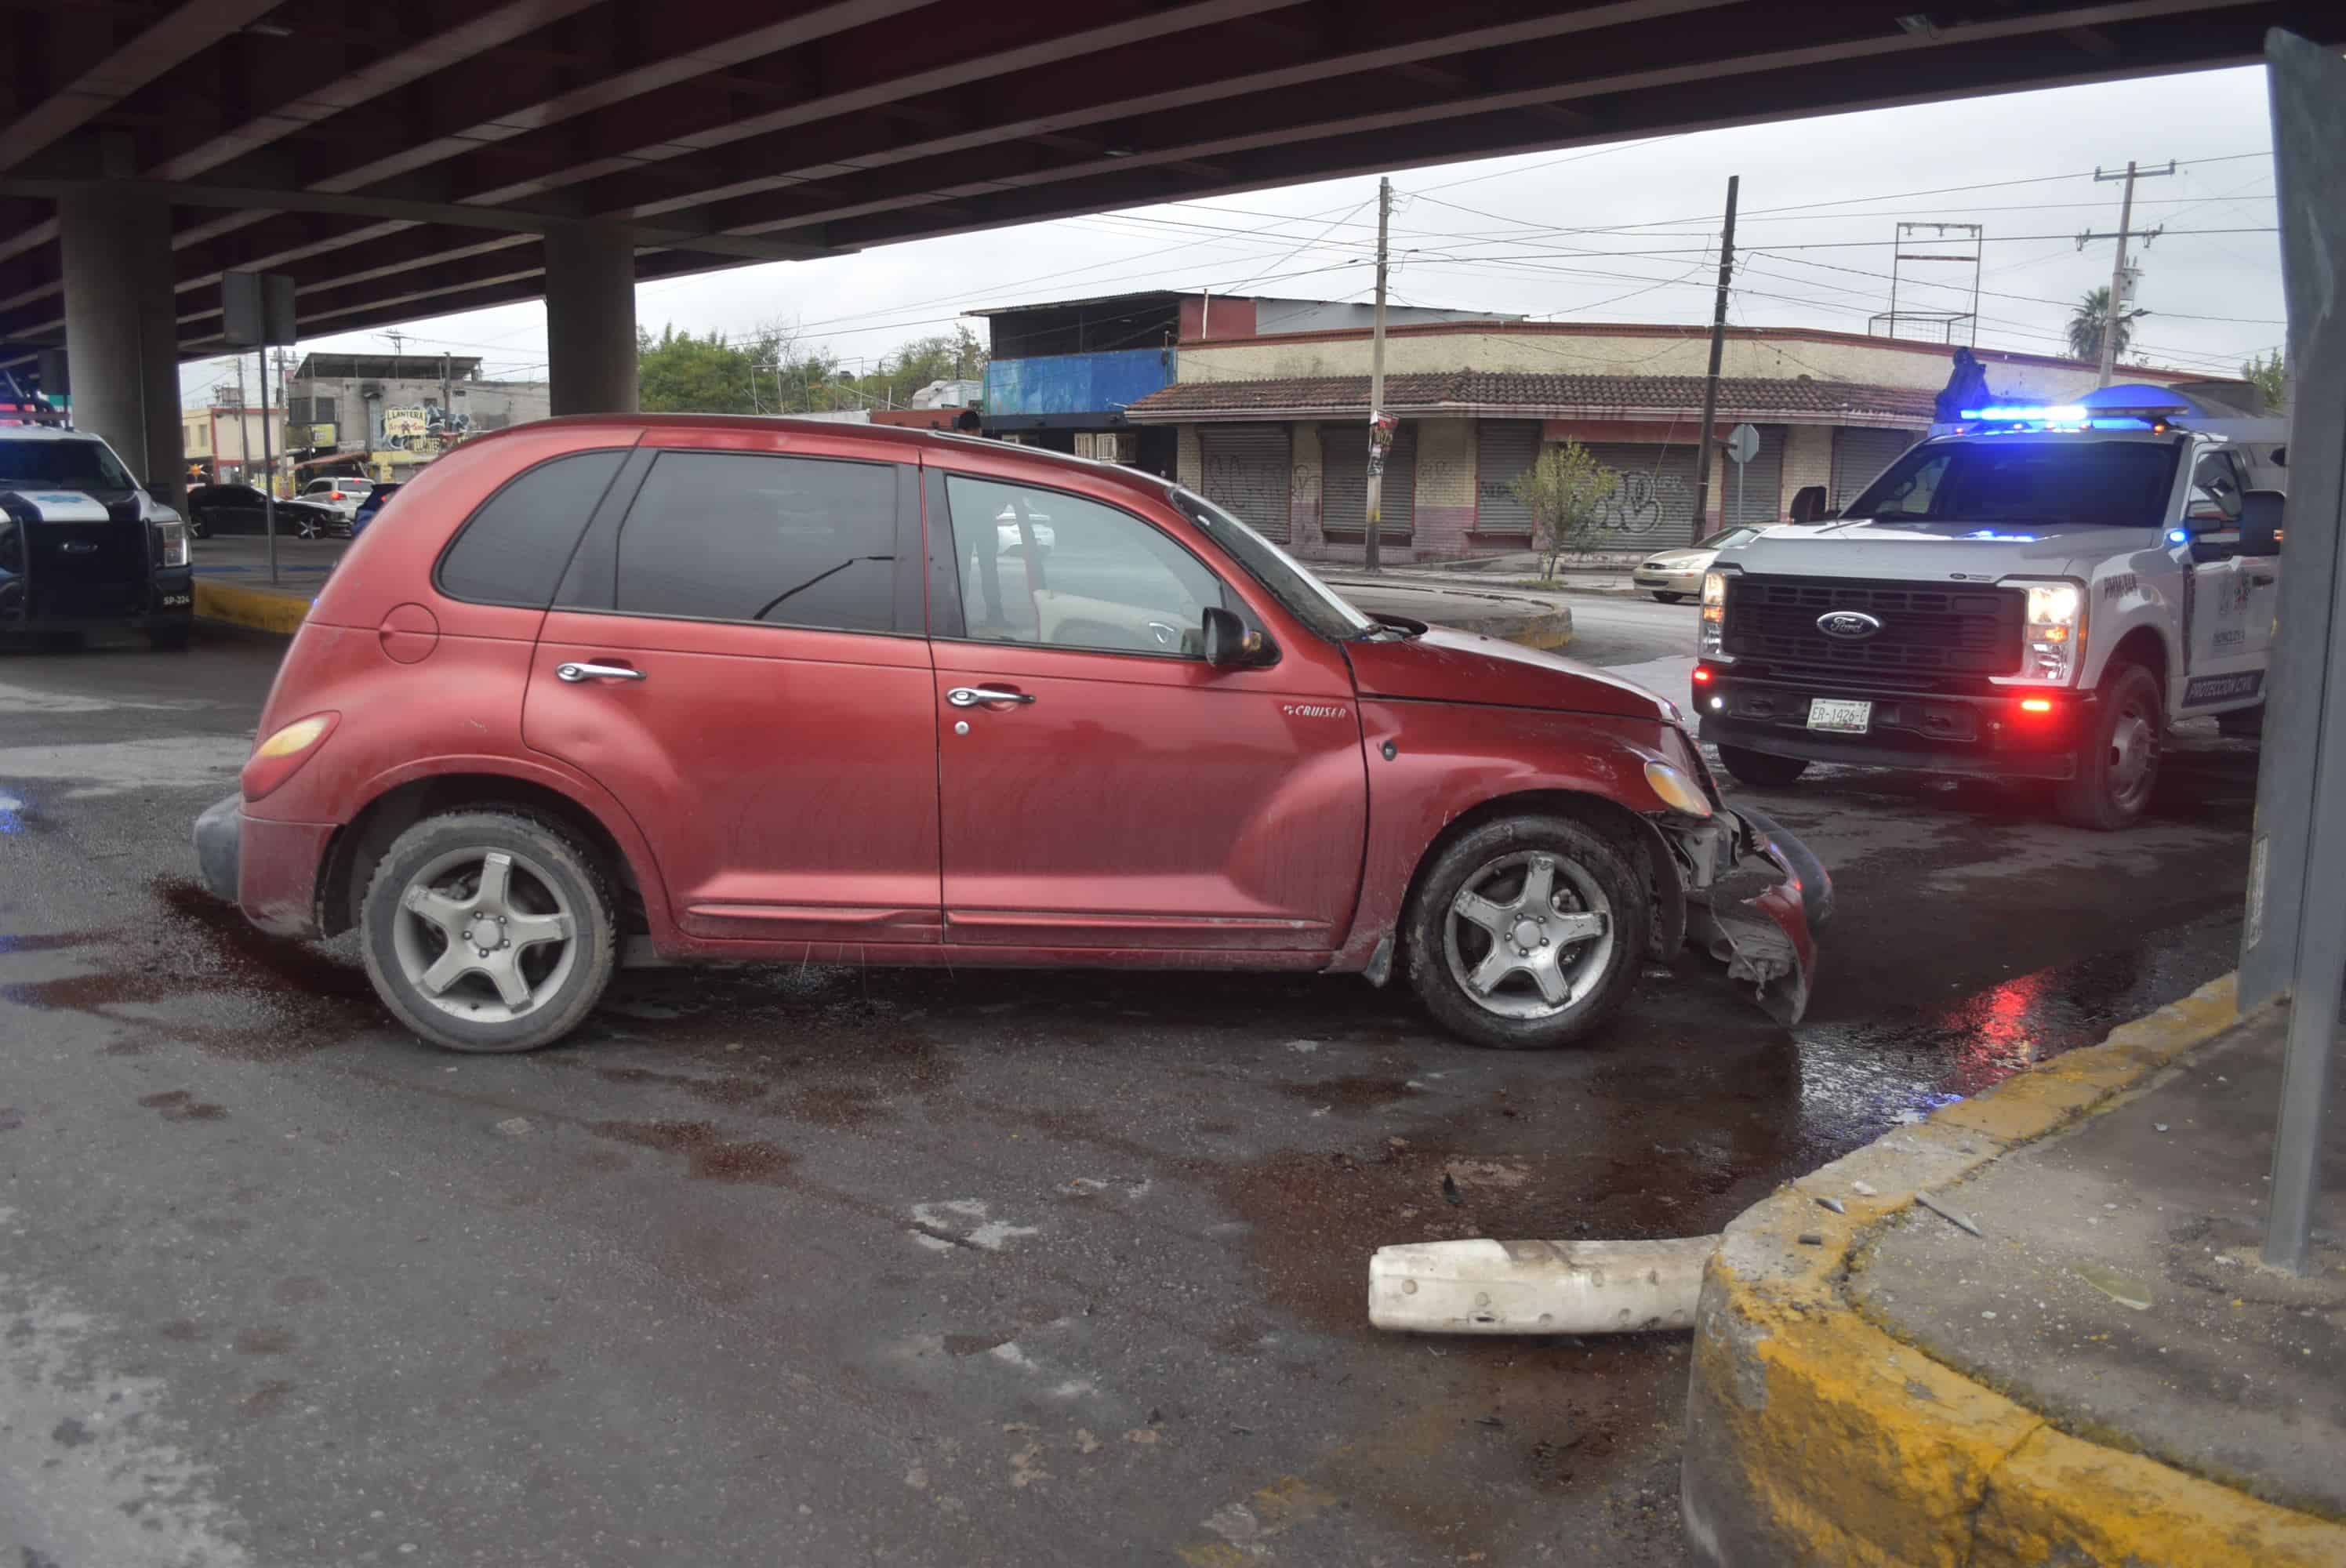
(2104, 1375)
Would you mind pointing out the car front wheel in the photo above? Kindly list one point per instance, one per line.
(1527, 933)
(488, 930)
(1669, 598)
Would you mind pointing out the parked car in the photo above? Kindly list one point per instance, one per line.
(341, 492)
(711, 688)
(368, 504)
(84, 546)
(1671, 576)
(216, 509)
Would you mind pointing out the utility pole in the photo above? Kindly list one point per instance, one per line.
(2121, 278)
(397, 341)
(1711, 381)
(1371, 557)
(447, 405)
(243, 430)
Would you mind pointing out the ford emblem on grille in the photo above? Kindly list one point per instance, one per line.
(1850, 625)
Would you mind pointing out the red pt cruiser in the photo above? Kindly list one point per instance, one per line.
(716, 689)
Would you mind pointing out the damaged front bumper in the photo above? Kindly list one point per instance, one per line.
(1753, 891)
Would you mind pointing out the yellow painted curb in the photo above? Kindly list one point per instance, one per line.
(278, 610)
(1815, 1437)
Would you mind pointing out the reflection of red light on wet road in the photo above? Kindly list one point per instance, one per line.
(2001, 1034)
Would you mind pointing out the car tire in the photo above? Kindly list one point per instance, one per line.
(1669, 599)
(1444, 951)
(435, 876)
(1761, 770)
(2117, 762)
(169, 639)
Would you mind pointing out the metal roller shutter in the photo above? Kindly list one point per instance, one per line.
(1504, 449)
(1756, 496)
(1246, 470)
(1860, 456)
(1344, 480)
(1653, 504)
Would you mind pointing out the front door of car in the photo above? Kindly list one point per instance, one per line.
(1101, 786)
(2234, 598)
(738, 659)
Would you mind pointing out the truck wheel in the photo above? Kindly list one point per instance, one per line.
(2117, 759)
(2241, 723)
(1761, 770)
(1527, 933)
(488, 930)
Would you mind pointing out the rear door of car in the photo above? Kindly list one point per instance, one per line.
(738, 655)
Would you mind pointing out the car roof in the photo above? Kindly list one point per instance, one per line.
(43, 433)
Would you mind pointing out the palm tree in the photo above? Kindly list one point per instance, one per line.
(2085, 325)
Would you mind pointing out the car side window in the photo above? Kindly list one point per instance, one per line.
(1046, 567)
(2216, 490)
(745, 537)
(513, 549)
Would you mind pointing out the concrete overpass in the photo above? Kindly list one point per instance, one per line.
(443, 155)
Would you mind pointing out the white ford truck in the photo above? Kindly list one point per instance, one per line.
(2034, 592)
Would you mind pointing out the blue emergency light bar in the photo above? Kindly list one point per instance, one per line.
(2062, 413)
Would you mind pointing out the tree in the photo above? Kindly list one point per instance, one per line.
(2085, 325)
(767, 372)
(1564, 490)
(2270, 375)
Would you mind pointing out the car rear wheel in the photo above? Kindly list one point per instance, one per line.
(2117, 758)
(488, 930)
(1527, 933)
(1669, 598)
(1761, 770)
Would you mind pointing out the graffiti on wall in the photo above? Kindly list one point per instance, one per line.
(1639, 502)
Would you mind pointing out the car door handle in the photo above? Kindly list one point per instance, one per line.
(2263, 579)
(578, 672)
(971, 696)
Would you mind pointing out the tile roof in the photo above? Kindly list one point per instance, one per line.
(1541, 396)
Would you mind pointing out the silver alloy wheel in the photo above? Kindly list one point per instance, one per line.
(484, 935)
(2134, 751)
(1528, 935)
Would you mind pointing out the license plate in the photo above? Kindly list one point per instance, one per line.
(1838, 714)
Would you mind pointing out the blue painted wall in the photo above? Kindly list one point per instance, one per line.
(1101, 383)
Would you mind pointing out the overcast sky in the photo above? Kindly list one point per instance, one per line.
(1625, 232)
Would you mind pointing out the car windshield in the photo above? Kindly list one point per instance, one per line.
(62, 464)
(2011, 482)
(1309, 599)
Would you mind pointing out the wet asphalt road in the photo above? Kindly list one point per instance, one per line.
(827, 1268)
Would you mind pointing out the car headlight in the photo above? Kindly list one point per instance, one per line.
(1678, 791)
(170, 543)
(2055, 631)
(1713, 636)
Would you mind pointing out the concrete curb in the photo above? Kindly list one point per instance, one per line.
(1815, 1437)
(263, 610)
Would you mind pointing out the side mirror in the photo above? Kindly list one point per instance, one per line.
(1808, 504)
(2260, 523)
(1228, 642)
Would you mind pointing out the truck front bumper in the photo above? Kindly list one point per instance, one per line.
(166, 600)
(1989, 734)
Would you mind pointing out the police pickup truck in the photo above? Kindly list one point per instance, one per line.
(2032, 592)
(83, 546)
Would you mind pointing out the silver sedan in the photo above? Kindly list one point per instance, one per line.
(1674, 574)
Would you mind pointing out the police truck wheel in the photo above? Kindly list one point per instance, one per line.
(1761, 770)
(2117, 758)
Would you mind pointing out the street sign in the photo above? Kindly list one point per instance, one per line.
(1743, 443)
(310, 435)
(256, 310)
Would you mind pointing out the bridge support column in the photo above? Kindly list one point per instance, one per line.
(122, 350)
(590, 320)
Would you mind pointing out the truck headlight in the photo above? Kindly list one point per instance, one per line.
(170, 543)
(2055, 631)
(1714, 614)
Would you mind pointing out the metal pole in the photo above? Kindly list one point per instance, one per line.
(243, 430)
(268, 465)
(1742, 472)
(2293, 938)
(2116, 308)
(1373, 553)
(1718, 347)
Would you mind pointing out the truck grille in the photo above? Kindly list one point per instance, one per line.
(1926, 630)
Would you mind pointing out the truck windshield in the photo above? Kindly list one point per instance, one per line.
(61, 465)
(2001, 482)
(1309, 599)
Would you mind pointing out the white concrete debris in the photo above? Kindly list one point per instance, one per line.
(1485, 1287)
